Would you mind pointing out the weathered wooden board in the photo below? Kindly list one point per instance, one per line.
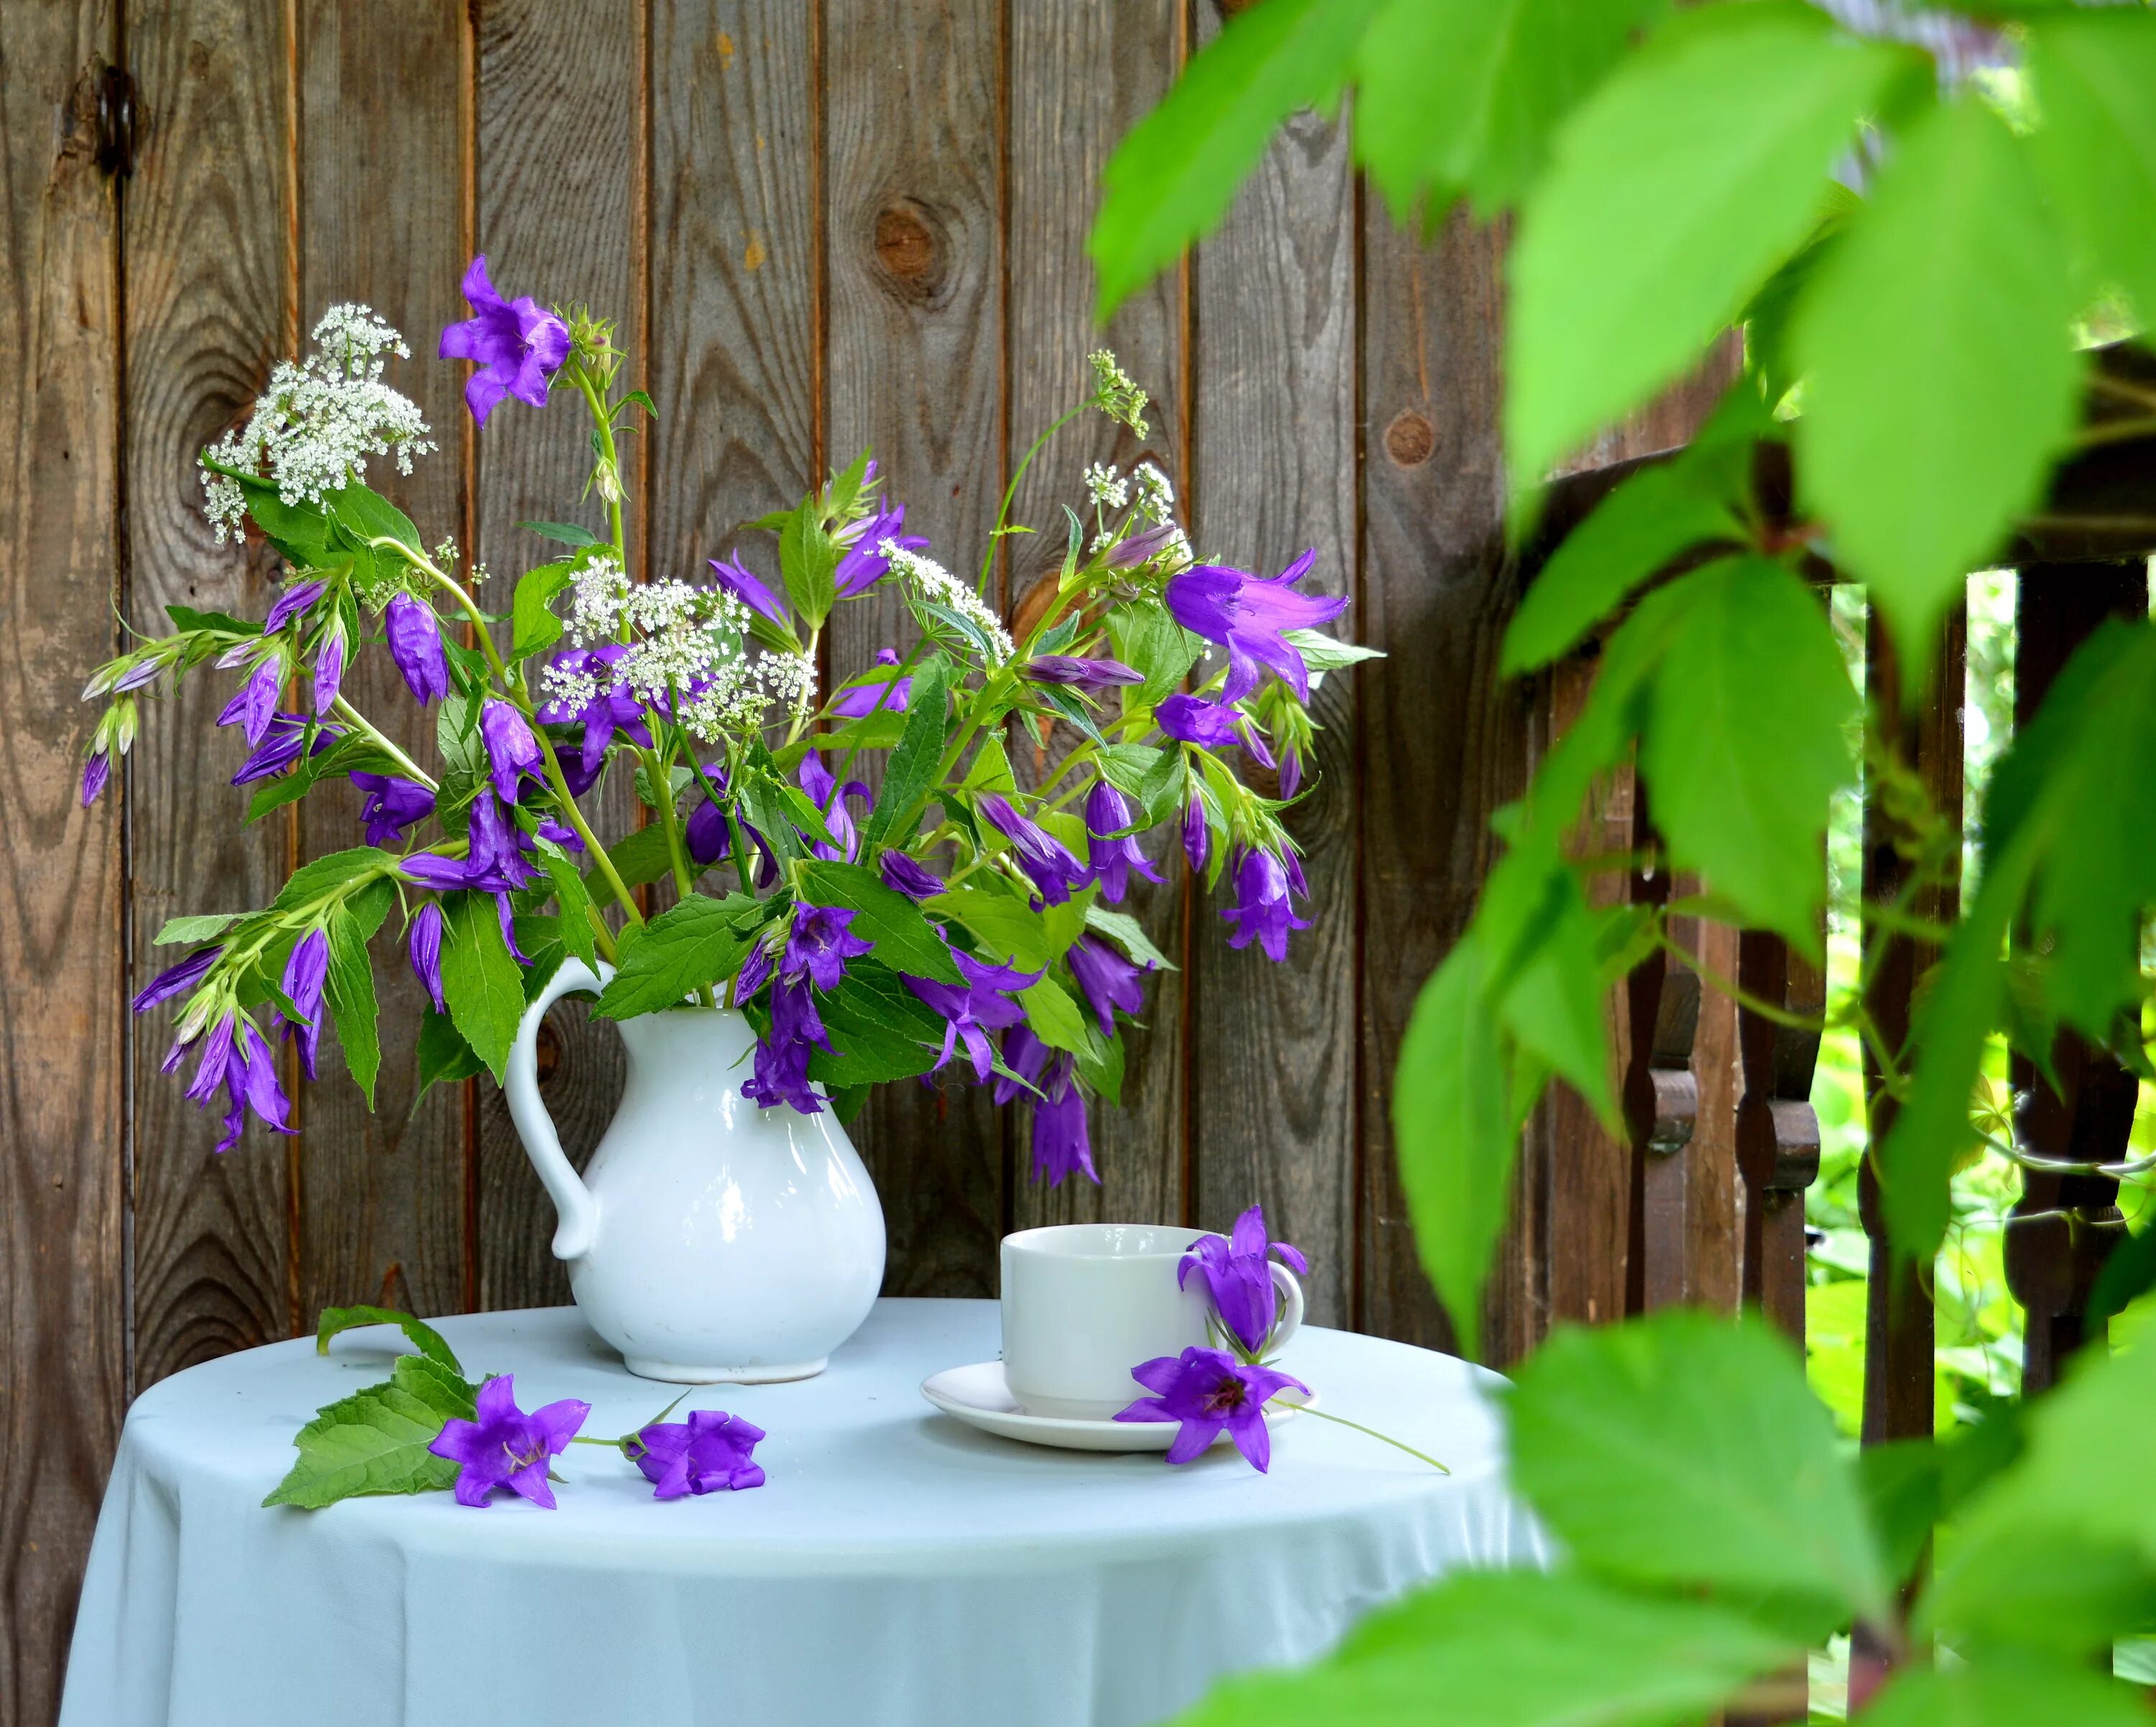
(1274, 452)
(63, 951)
(913, 367)
(382, 1193)
(209, 271)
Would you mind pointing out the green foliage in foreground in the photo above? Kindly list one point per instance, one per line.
(1714, 1529)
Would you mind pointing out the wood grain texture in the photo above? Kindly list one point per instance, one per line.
(209, 311)
(63, 1364)
(559, 201)
(913, 196)
(1274, 447)
(1442, 740)
(1080, 77)
(381, 1191)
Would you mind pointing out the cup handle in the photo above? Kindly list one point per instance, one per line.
(1291, 1290)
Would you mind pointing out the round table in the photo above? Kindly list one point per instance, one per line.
(897, 1568)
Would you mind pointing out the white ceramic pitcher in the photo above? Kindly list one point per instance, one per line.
(709, 1239)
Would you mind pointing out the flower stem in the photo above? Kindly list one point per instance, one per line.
(1342, 1421)
(1010, 492)
(359, 720)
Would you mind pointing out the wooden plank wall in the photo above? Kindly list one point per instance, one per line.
(822, 225)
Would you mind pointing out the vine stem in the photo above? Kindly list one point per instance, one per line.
(1010, 493)
(1397, 1445)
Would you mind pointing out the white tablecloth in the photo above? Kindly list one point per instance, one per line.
(898, 1568)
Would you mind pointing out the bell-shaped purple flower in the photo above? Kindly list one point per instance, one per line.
(415, 644)
(1116, 854)
(708, 1453)
(1060, 1141)
(96, 770)
(391, 804)
(1238, 1275)
(305, 972)
(178, 979)
(1188, 720)
(914, 880)
(281, 746)
(329, 669)
(1143, 547)
(506, 1447)
(819, 945)
(423, 944)
(781, 1076)
(1263, 911)
(873, 693)
(1291, 772)
(512, 749)
(519, 344)
(737, 579)
(1209, 1392)
(238, 1057)
(704, 832)
(1197, 835)
(831, 797)
(972, 1010)
(1247, 616)
(291, 603)
(611, 710)
(1054, 868)
(1109, 980)
(864, 563)
(255, 705)
(1085, 674)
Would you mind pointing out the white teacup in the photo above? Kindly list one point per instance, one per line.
(1084, 1303)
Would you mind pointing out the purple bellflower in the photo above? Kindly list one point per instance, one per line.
(519, 344)
(820, 946)
(415, 644)
(1143, 545)
(506, 1447)
(829, 796)
(1054, 868)
(1086, 674)
(1116, 853)
(916, 880)
(863, 563)
(1247, 616)
(1109, 980)
(391, 804)
(781, 1074)
(424, 943)
(1060, 1140)
(95, 772)
(873, 693)
(971, 1010)
(305, 972)
(611, 710)
(1291, 772)
(708, 1453)
(739, 580)
(512, 749)
(1210, 1393)
(1263, 911)
(329, 669)
(1238, 1274)
(1188, 720)
(178, 979)
(255, 705)
(704, 832)
(238, 1057)
(281, 746)
(291, 603)
(1197, 834)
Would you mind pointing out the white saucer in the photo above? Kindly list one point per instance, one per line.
(979, 1396)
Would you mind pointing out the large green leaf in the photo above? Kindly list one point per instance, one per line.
(1684, 1449)
(1451, 1121)
(1006, 928)
(701, 941)
(534, 627)
(1552, 996)
(424, 1338)
(879, 1030)
(2009, 1691)
(480, 978)
(1513, 1649)
(1744, 740)
(904, 940)
(1940, 377)
(349, 992)
(2097, 146)
(375, 1440)
(1174, 174)
(1456, 96)
(1671, 196)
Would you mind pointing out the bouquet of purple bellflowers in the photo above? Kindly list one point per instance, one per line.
(858, 870)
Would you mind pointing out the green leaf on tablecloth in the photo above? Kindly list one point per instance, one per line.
(428, 1341)
(376, 1441)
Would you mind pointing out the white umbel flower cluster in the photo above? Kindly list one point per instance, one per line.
(931, 581)
(313, 429)
(1105, 486)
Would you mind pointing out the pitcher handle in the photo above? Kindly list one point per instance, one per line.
(1291, 1289)
(573, 1204)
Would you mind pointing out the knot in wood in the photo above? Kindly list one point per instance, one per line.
(1410, 439)
(548, 1050)
(910, 249)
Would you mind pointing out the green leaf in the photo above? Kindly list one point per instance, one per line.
(312, 881)
(698, 941)
(991, 770)
(1919, 456)
(428, 1341)
(639, 858)
(196, 927)
(2014, 1691)
(366, 515)
(444, 1056)
(575, 900)
(2128, 1274)
(1521, 1649)
(1552, 998)
(1461, 97)
(1127, 933)
(1009, 930)
(1323, 653)
(2097, 146)
(1149, 640)
(376, 1441)
(1745, 741)
(564, 533)
(480, 978)
(1054, 1016)
(457, 737)
(1451, 1124)
(186, 617)
(911, 769)
(1685, 1450)
(1100, 1066)
(904, 940)
(1638, 245)
(535, 627)
(1633, 534)
(1174, 174)
(349, 992)
(879, 1030)
(808, 560)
